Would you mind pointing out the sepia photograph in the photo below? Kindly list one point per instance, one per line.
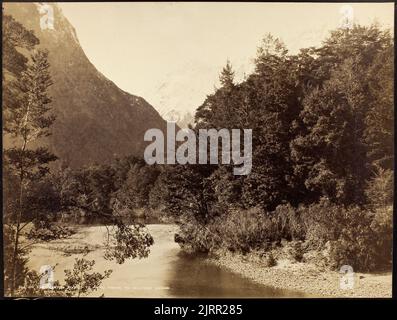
(197, 150)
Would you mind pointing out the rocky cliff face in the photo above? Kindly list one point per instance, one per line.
(96, 120)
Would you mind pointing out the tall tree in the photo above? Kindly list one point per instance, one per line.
(15, 37)
(27, 119)
(273, 97)
(227, 76)
(333, 151)
(379, 132)
(339, 127)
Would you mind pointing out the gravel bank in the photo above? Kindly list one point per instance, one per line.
(306, 277)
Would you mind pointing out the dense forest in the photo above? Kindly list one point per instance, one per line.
(322, 172)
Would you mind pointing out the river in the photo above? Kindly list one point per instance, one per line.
(167, 272)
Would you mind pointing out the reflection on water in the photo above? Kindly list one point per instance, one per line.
(169, 272)
(193, 277)
(166, 272)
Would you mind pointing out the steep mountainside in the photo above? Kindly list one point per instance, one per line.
(95, 119)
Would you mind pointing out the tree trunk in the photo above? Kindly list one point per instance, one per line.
(14, 262)
(18, 223)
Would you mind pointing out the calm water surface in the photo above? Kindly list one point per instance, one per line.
(169, 272)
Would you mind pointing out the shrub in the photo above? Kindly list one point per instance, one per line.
(322, 222)
(237, 230)
(80, 280)
(355, 235)
(297, 251)
(289, 223)
(246, 230)
(379, 191)
(46, 231)
(270, 260)
(197, 237)
(382, 226)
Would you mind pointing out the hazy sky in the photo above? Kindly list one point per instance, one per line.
(171, 53)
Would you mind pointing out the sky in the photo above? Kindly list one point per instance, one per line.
(171, 53)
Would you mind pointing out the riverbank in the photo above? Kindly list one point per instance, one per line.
(167, 272)
(304, 277)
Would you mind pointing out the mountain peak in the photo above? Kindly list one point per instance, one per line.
(95, 120)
